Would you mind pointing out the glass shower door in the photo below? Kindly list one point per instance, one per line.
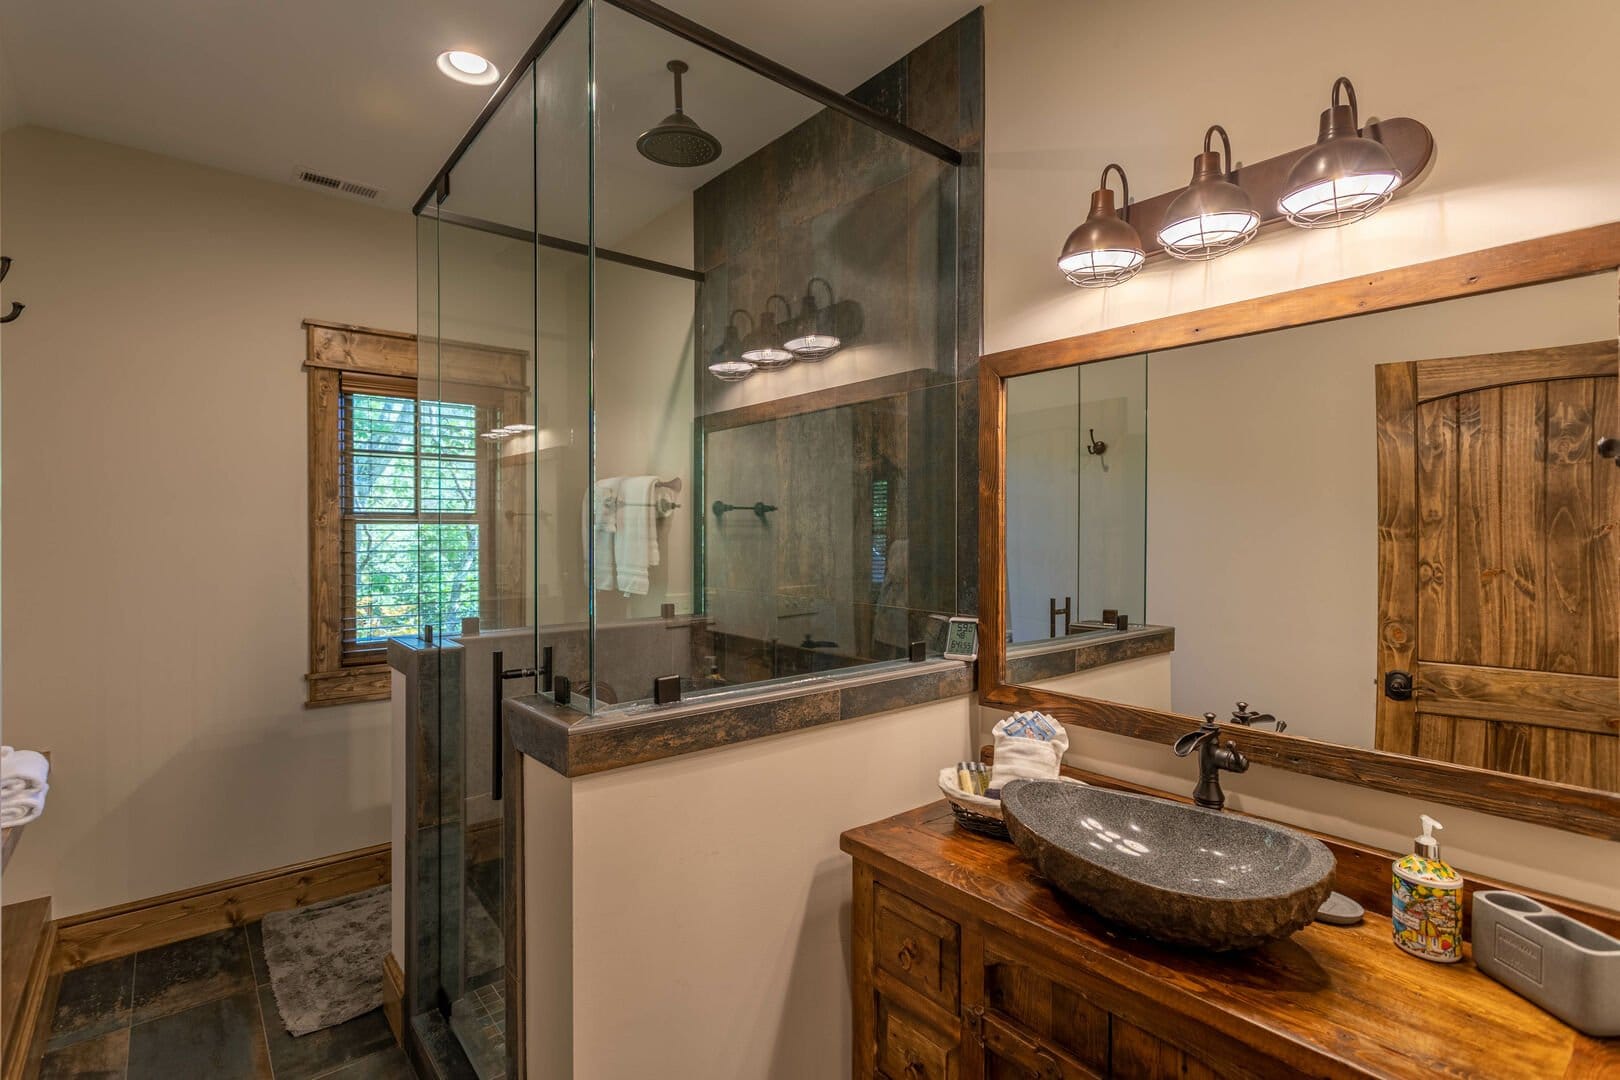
(504, 393)
(477, 452)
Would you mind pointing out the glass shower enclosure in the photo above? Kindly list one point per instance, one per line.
(688, 407)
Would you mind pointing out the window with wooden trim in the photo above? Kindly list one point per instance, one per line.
(402, 528)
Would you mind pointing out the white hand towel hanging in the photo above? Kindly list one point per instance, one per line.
(635, 544)
(23, 771)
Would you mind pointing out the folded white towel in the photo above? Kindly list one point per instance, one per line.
(23, 771)
(18, 810)
(1022, 758)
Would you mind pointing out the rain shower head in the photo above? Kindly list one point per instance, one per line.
(678, 141)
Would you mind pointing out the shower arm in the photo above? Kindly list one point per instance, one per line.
(678, 67)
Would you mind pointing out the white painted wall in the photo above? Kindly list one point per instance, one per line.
(710, 903)
(1525, 150)
(156, 556)
(1520, 108)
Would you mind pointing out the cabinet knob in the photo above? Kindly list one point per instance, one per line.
(915, 1070)
(907, 954)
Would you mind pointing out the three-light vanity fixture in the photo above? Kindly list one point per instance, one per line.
(1346, 176)
(814, 334)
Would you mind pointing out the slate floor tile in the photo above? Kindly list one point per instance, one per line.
(391, 1064)
(101, 1058)
(221, 1039)
(93, 1001)
(319, 1052)
(178, 976)
(255, 940)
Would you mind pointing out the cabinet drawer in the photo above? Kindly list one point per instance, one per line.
(910, 1049)
(1055, 1014)
(920, 949)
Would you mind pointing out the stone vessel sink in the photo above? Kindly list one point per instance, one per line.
(1175, 873)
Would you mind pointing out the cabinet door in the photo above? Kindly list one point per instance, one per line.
(1053, 1013)
(1140, 1056)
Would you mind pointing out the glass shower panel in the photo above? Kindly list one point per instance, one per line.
(1043, 501)
(478, 431)
(1111, 560)
(1076, 498)
(761, 529)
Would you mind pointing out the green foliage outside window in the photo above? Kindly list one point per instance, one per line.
(412, 480)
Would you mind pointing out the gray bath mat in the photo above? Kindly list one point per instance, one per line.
(326, 960)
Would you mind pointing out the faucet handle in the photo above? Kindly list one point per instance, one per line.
(1243, 716)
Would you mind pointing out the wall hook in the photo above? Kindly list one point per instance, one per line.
(1095, 445)
(16, 308)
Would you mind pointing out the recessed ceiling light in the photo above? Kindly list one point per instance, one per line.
(468, 67)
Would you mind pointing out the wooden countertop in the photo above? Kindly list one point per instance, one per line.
(1329, 1000)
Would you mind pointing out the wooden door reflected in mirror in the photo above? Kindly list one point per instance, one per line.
(1497, 562)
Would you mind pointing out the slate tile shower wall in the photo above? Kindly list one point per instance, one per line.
(876, 529)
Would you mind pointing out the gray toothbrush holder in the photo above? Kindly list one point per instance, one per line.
(1563, 965)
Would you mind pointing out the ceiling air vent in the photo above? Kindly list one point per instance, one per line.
(333, 183)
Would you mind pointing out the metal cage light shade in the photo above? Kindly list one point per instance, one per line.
(814, 331)
(763, 347)
(725, 364)
(1213, 216)
(1344, 177)
(1104, 249)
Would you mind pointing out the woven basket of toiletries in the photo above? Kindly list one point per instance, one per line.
(1029, 746)
(1561, 964)
(978, 813)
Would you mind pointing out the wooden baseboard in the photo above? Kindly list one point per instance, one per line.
(128, 928)
(28, 991)
(394, 997)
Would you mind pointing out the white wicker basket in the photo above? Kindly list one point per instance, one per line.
(977, 812)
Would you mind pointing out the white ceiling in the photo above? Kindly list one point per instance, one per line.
(349, 87)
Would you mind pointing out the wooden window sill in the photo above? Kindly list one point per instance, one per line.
(370, 682)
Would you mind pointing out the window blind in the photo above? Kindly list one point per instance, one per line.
(410, 513)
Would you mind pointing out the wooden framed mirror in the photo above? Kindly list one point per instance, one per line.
(1375, 507)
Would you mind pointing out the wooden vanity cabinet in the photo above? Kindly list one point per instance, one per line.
(967, 966)
(946, 996)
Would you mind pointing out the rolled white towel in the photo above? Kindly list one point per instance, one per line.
(23, 771)
(18, 810)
